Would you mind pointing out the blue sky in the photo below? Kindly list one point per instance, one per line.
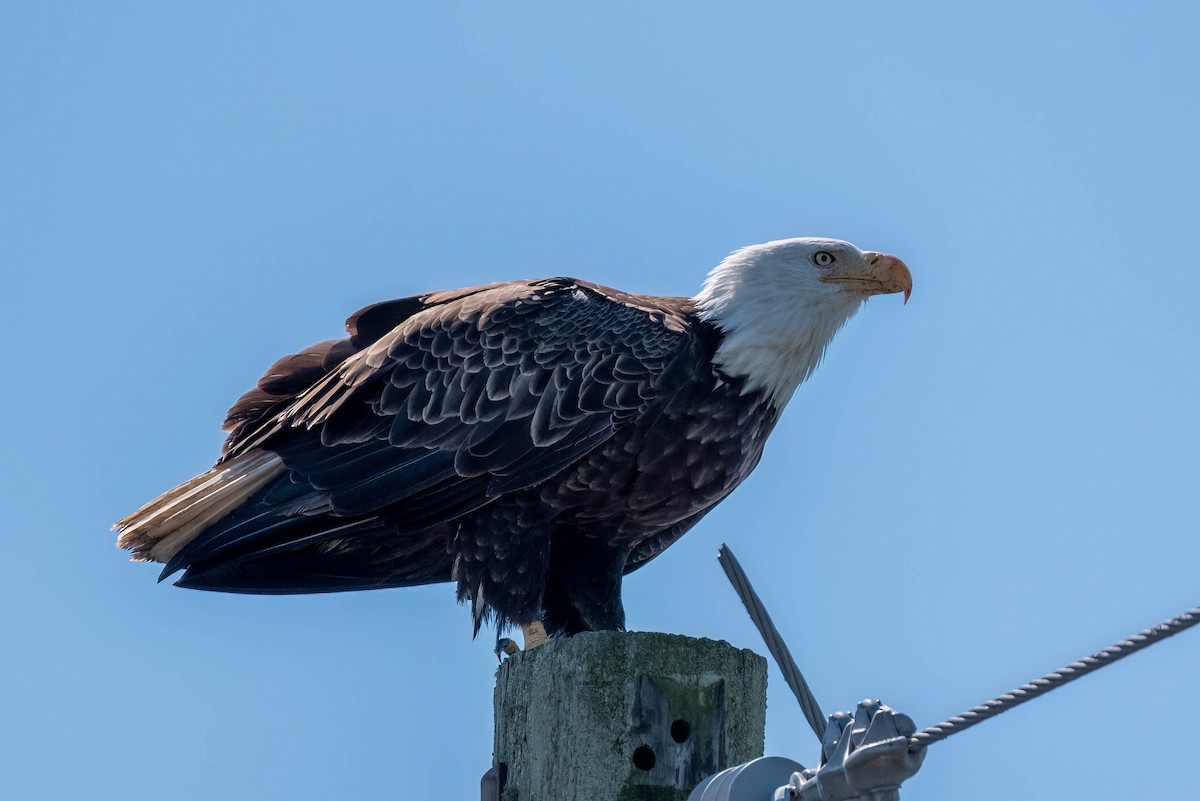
(974, 489)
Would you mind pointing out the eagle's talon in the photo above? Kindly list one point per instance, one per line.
(505, 646)
(535, 634)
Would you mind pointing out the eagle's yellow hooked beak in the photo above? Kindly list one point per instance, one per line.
(884, 275)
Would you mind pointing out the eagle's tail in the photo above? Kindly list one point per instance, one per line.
(158, 530)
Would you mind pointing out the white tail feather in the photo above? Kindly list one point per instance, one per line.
(158, 530)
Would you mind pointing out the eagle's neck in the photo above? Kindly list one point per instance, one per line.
(774, 336)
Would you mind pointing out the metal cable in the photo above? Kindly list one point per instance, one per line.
(1050, 681)
(770, 634)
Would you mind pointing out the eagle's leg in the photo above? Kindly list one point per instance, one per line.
(583, 588)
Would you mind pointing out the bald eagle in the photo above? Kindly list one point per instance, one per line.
(533, 441)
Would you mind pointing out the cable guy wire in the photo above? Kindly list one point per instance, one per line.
(1053, 680)
(978, 714)
(770, 634)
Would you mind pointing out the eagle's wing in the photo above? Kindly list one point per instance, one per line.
(472, 395)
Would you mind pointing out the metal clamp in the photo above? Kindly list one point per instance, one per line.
(864, 757)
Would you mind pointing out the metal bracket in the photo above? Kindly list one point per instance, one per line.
(491, 786)
(865, 757)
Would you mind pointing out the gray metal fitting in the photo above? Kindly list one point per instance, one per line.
(865, 757)
(751, 781)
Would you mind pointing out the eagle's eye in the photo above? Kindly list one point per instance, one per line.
(822, 258)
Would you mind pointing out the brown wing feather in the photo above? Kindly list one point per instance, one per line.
(280, 384)
(472, 395)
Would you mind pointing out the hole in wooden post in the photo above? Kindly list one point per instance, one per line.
(643, 757)
(681, 730)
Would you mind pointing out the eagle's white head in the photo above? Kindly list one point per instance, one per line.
(780, 303)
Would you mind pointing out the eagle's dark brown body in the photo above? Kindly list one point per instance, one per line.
(533, 441)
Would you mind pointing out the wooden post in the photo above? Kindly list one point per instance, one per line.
(624, 716)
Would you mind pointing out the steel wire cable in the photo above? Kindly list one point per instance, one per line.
(1051, 681)
(770, 634)
(940, 731)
